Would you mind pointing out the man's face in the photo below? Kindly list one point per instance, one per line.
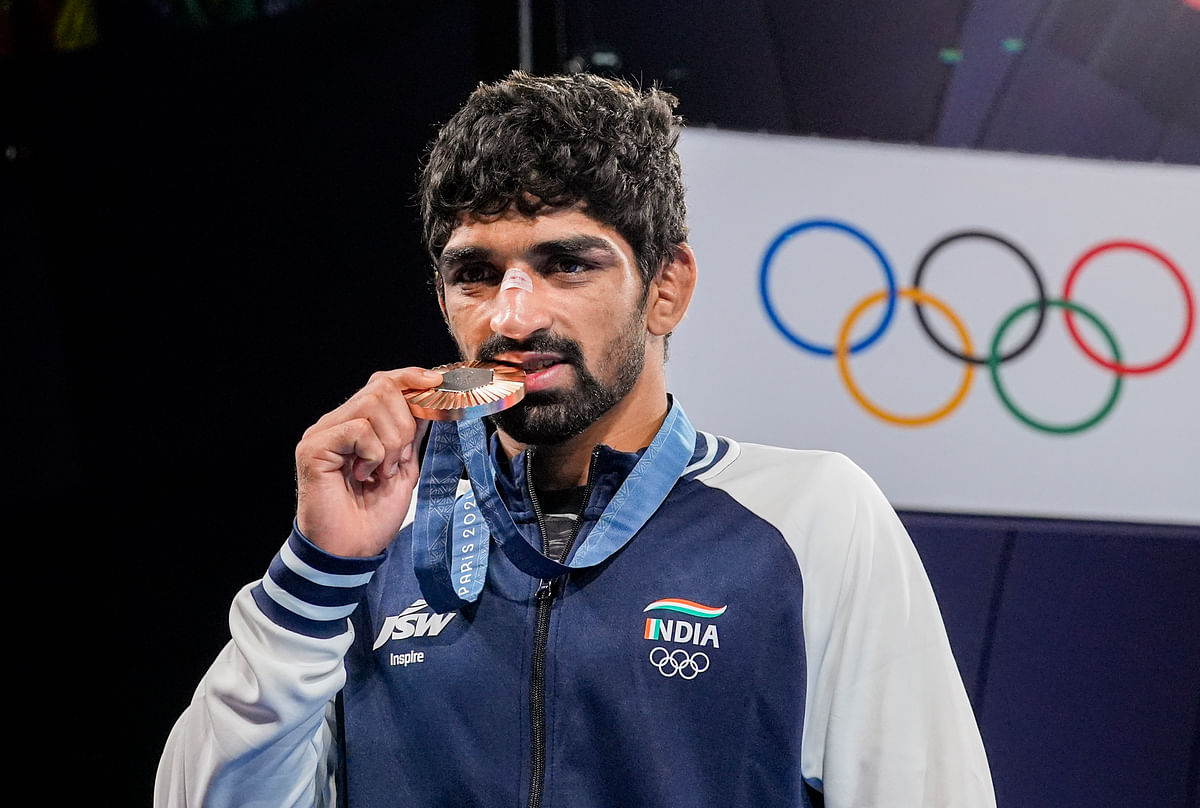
(577, 327)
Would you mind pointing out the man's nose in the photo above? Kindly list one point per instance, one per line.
(520, 310)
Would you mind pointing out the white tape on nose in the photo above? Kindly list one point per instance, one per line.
(515, 278)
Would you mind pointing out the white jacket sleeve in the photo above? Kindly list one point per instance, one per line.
(888, 721)
(260, 729)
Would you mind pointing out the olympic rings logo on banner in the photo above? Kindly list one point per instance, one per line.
(670, 663)
(841, 349)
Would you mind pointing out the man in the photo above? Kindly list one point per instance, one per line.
(672, 618)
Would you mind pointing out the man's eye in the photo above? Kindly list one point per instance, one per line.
(570, 266)
(475, 273)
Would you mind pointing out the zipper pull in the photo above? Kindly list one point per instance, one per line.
(545, 590)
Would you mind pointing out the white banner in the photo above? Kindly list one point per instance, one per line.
(1054, 369)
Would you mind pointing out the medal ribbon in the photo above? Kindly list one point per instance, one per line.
(451, 562)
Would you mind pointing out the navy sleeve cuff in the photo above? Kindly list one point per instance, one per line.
(311, 592)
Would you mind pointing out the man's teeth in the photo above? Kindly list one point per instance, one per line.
(537, 364)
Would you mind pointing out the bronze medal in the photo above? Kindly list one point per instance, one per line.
(468, 390)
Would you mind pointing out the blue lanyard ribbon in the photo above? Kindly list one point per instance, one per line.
(450, 536)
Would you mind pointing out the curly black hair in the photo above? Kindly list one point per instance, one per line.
(536, 142)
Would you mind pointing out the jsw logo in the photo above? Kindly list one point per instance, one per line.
(412, 622)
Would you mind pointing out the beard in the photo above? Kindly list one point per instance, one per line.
(549, 417)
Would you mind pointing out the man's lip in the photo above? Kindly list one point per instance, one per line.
(529, 361)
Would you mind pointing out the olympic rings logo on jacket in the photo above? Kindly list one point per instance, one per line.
(679, 661)
(842, 348)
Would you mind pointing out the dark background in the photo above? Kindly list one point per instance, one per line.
(208, 240)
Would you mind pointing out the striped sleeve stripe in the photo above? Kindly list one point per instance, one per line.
(729, 452)
(308, 591)
(710, 453)
(313, 612)
(291, 621)
(324, 563)
(311, 592)
(296, 564)
(720, 452)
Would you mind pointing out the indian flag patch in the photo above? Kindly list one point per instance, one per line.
(686, 607)
(683, 631)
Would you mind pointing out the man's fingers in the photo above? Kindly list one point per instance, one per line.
(354, 467)
(394, 422)
(386, 387)
(355, 442)
(394, 461)
(422, 431)
(374, 431)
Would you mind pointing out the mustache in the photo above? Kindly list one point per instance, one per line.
(540, 342)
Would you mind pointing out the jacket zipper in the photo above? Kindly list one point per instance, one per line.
(545, 600)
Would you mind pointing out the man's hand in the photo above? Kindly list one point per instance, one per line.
(357, 467)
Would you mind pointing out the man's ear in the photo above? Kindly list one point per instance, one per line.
(440, 286)
(671, 291)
